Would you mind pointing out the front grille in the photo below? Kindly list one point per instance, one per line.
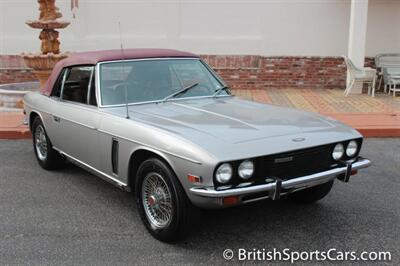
(287, 165)
(294, 164)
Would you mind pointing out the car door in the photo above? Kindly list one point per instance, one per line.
(77, 116)
(51, 124)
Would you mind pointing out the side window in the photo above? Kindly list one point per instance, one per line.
(76, 84)
(56, 92)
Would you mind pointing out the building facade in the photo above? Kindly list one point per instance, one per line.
(251, 43)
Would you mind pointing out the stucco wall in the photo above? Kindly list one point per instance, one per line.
(383, 29)
(255, 27)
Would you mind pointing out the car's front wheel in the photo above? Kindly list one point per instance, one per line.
(312, 194)
(47, 157)
(162, 203)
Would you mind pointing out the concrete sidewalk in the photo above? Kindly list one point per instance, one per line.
(371, 124)
(12, 127)
(373, 117)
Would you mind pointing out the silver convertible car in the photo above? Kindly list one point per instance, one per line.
(163, 124)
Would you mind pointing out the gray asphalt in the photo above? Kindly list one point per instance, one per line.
(72, 217)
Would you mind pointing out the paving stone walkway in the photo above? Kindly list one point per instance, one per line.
(324, 100)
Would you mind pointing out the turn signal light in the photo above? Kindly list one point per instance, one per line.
(194, 178)
(231, 200)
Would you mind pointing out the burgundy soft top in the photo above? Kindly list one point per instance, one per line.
(92, 58)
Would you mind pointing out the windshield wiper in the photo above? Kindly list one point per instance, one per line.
(217, 91)
(183, 90)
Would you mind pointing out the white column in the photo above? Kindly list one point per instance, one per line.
(357, 35)
(2, 34)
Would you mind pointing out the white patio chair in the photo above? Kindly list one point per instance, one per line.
(360, 75)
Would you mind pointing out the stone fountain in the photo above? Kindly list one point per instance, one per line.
(49, 20)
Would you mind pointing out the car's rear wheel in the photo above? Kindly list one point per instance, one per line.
(312, 194)
(47, 157)
(162, 203)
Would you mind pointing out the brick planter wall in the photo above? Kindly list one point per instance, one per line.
(257, 72)
(239, 71)
(16, 75)
(13, 69)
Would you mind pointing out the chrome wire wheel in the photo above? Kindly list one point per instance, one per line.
(41, 143)
(157, 201)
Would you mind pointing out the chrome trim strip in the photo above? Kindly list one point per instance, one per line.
(102, 175)
(146, 145)
(215, 74)
(148, 59)
(257, 199)
(65, 69)
(90, 86)
(97, 84)
(300, 182)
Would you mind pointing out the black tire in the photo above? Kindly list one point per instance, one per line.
(312, 194)
(51, 159)
(183, 215)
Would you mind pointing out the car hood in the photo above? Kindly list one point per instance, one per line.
(232, 128)
(229, 119)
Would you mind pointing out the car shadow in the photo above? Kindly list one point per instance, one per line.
(267, 219)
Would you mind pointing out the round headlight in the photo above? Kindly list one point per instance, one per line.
(246, 169)
(338, 151)
(224, 173)
(352, 148)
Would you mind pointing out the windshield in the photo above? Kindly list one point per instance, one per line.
(156, 80)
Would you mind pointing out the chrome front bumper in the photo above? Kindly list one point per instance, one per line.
(291, 184)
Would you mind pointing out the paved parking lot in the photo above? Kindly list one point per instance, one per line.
(72, 217)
